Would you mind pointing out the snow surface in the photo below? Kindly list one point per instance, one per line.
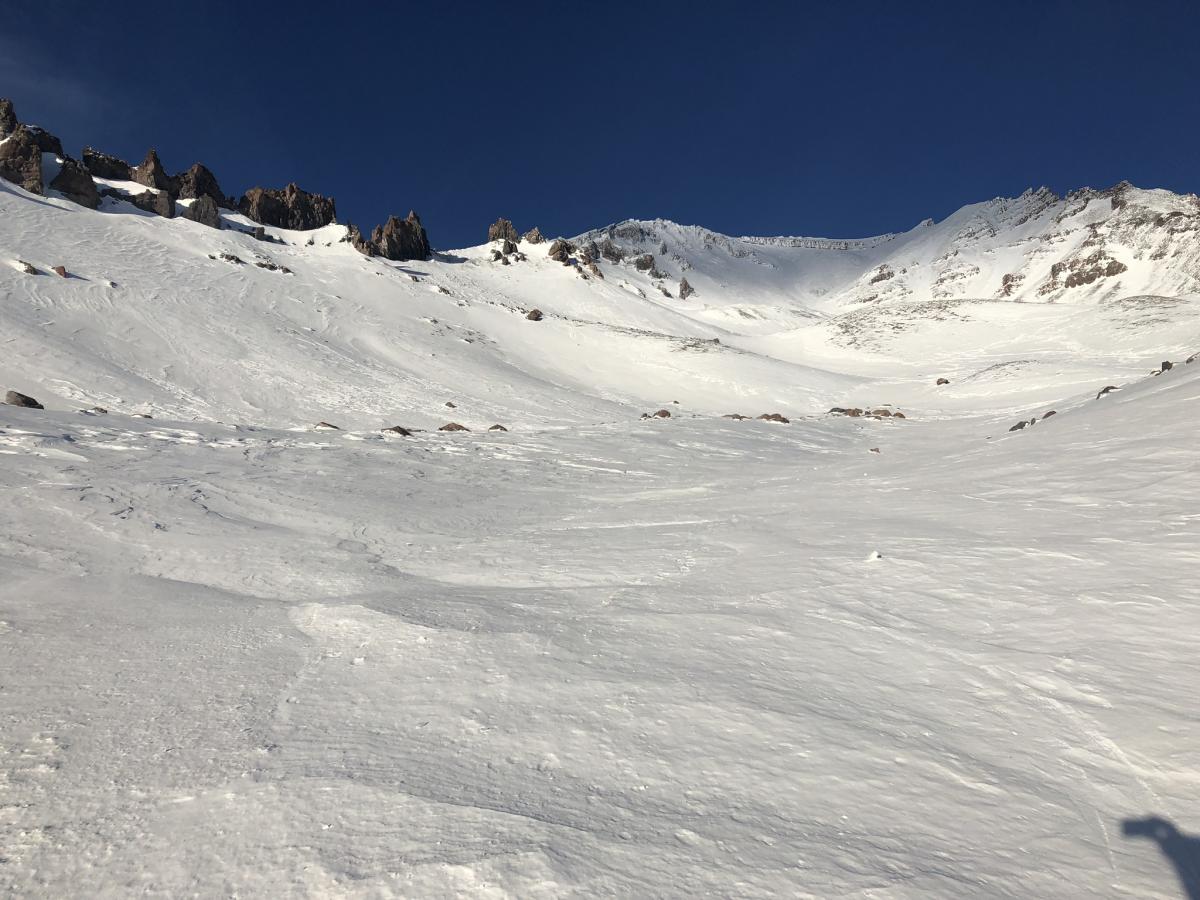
(592, 655)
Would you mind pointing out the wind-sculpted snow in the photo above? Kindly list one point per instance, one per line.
(645, 659)
(595, 655)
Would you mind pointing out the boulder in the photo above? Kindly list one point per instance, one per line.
(502, 230)
(75, 183)
(397, 429)
(1167, 366)
(534, 315)
(685, 289)
(104, 165)
(508, 247)
(1111, 387)
(61, 271)
(533, 236)
(16, 398)
(899, 415)
(198, 182)
(152, 173)
(1049, 414)
(882, 413)
(450, 404)
(942, 381)
(775, 417)
(8, 118)
(453, 426)
(290, 208)
(203, 210)
(662, 414)
(561, 251)
(497, 428)
(21, 159)
(160, 203)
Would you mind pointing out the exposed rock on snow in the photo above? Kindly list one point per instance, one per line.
(151, 173)
(502, 230)
(75, 183)
(534, 315)
(21, 159)
(61, 271)
(775, 417)
(8, 118)
(198, 182)
(397, 429)
(203, 210)
(16, 398)
(104, 165)
(497, 428)
(685, 289)
(290, 208)
(453, 426)
(942, 381)
(533, 236)
(561, 251)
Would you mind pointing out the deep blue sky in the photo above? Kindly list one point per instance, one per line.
(750, 118)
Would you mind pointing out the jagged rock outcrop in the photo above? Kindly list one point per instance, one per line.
(611, 251)
(203, 210)
(75, 183)
(397, 239)
(8, 118)
(685, 289)
(534, 236)
(561, 251)
(21, 159)
(644, 263)
(502, 230)
(161, 203)
(290, 208)
(198, 181)
(105, 165)
(151, 173)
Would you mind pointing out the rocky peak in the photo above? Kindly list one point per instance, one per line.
(290, 208)
(196, 182)
(534, 236)
(152, 173)
(396, 239)
(21, 159)
(502, 230)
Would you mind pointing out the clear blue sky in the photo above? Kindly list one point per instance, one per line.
(763, 118)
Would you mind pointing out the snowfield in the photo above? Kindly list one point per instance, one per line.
(593, 655)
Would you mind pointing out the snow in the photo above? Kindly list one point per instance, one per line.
(593, 655)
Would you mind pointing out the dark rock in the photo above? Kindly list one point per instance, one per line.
(16, 398)
(497, 256)
(685, 289)
(21, 160)
(397, 429)
(160, 203)
(534, 236)
(103, 165)
(28, 268)
(882, 413)
(1049, 414)
(152, 173)
(534, 315)
(561, 251)
(775, 417)
(1167, 366)
(502, 230)
(203, 210)
(875, 450)
(942, 381)
(644, 263)
(611, 251)
(737, 416)
(198, 182)
(8, 118)
(595, 270)
(453, 426)
(497, 428)
(45, 141)
(1111, 387)
(1191, 359)
(290, 208)
(61, 271)
(899, 415)
(508, 247)
(1019, 426)
(327, 425)
(662, 414)
(589, 252)
(451, 405)
(400, 239)
(75, 183)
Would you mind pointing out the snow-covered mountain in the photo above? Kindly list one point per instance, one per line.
(595, 654)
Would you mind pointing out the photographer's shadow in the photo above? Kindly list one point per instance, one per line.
(1183, 850)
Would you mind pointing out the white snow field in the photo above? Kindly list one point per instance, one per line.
(594, 655)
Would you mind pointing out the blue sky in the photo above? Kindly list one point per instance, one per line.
(751, 118)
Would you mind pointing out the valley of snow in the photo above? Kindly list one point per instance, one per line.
(596, 655)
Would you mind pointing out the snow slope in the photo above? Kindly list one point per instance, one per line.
(594, 655)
